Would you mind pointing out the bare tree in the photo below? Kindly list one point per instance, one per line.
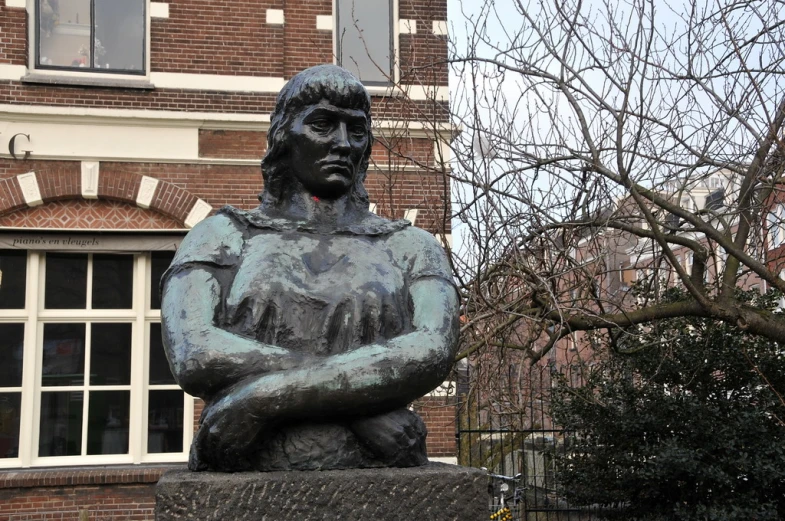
(609, 151)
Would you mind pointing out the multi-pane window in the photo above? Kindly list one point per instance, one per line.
(365, 39)
(91, 35)
(85, 378)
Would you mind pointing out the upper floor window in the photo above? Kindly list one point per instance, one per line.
(776, 226)
(365, 39)
(91, 35)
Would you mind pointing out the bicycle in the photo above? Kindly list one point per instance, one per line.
(501, 510)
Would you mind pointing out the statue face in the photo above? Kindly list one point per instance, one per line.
(326, 148)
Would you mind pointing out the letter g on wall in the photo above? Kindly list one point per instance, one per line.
(16, 142)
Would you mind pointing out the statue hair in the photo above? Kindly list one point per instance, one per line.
(322, 82)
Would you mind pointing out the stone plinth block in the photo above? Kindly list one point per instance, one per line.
(435, 492)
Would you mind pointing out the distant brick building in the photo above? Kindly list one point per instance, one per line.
(122, 124)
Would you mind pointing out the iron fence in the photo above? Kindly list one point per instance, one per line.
(505, 426)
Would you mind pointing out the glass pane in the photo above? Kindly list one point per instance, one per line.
(63, 354)
(165, 422)
(66, 281)
(13, 276)
(107, 422)
(160, 260)
(110, 354)
(364, 39)
(64, 33)
(160, 374)
(61, 424)
(113, 280)
(10, 412)
(12, 339)
(119, 33)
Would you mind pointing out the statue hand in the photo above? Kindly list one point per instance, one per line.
(396, 437)
(225, 441)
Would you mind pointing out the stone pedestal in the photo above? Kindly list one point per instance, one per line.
(434, 492)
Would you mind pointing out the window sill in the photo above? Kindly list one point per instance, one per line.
(73, 476)
(386, 91)
(88, 81)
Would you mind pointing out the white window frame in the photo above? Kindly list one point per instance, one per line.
(34, 316)
(396, 66)
(32, 48)
(776, 226)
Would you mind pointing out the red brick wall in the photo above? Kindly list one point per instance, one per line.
(93, 214)
(424, 47)
(204, 36)
(13, 43)
(238, 144)
(234, 144)
(209, 37)
(393, 190)
(116, 493)
(304, 46)
(439, 415)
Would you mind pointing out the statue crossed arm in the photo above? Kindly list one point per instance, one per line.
(310, 322)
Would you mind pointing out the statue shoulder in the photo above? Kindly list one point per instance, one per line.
(218, 240)
(414, 240)
(420, 252)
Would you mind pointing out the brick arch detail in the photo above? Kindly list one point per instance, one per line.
(61, 184)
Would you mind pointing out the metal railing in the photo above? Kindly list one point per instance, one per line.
(506, 427)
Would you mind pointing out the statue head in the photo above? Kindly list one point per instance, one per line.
(320, 85)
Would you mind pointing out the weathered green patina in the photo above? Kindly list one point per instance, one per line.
(308, 324)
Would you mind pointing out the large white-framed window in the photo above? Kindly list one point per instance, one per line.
(366, 39)
(84, 37)
(85, 379)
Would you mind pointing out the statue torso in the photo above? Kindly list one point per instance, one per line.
(321, 294)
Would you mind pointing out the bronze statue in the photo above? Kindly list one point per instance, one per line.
(308, 324)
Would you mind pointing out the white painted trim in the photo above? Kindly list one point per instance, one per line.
(203, 120)
(220, 82)
(12, 72)
(442, 153)
(324, 22)
(446, 241)
(440, 27)
(28, 183)
(16, 3)
(275, 17)
(446, 388)
(133, 117)
(127, 231)
(449, 460)
(407, 26)
(146, 191)
(159, 10)
(411, 215)
(200, 210)
(426, 92)
(372, 207)
(396, 42)
(81, 142)
(90, 173)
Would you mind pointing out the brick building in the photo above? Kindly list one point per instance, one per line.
(124, 123)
